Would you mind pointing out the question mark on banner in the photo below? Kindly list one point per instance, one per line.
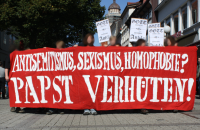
(185, 60)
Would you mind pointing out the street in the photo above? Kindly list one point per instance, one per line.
(107, 120)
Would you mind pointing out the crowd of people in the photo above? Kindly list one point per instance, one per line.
(87, 41)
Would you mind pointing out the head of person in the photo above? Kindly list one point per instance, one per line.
(171, 41)
(141, 42)
(117, 44)
(133, 44)
(165, 42)
(113, 40)
(1, 64)
(60, 44)
(21, 45)
(198, 59)
(88, 40)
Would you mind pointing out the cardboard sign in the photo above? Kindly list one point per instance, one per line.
(138, 29)
(104, 78)
(103, 30)
(156, 36)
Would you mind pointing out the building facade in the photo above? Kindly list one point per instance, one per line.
(183, 16)
(125, 32)
(113, 12)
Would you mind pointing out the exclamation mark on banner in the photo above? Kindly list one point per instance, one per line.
(190, 84)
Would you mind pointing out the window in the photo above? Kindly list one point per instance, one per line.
(168, 22)
(162, 24)
(150, 21)
(148, 15)
(4, 37)
(10, 39)
(194, 6)
(160, 1)
(184, 17)
(176, 22)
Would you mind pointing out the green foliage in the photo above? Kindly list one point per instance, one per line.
(43, 22)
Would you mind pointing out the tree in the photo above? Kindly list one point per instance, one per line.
(42, 22)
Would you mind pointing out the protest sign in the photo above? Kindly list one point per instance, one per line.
(103, 30)
(104, 78)
(156, 36)
(138, 29)
(153, 25)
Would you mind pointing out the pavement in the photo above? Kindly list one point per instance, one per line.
(107, 120)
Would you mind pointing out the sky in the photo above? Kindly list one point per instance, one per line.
(107, 3)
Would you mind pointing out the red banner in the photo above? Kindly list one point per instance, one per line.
(104, 78)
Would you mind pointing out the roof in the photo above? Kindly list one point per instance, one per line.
(130, 5)
(114, 5)
(197, 43)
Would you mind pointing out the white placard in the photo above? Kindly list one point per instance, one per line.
(103, 30)
(138, 29)
(153, 25)
(156, 36)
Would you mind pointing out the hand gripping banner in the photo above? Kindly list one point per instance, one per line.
(104, 78)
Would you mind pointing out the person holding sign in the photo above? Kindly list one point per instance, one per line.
(89, 41)
(118, 45)
(7, 67)
(198, 76)
(141, 42)
(59, 45)
(113, 40)
(2, 80)
(171, 41)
